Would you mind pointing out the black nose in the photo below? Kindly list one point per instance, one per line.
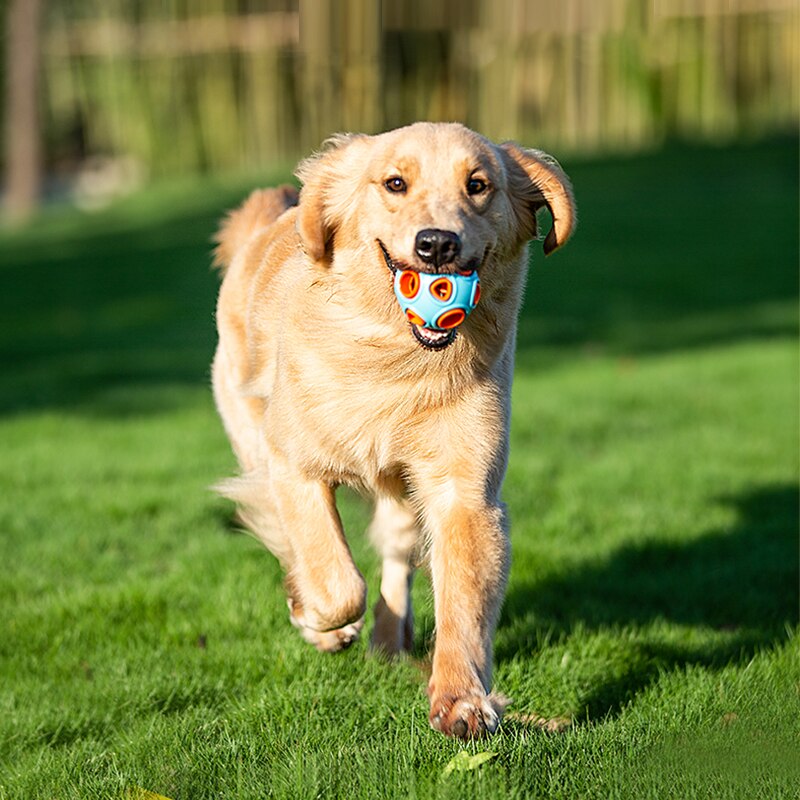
(437, 247)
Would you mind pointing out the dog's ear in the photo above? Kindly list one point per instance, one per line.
(327, 186)
(535, 180)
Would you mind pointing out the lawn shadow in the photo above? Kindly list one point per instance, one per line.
(742, 582)
(667, 256)
(109, 323)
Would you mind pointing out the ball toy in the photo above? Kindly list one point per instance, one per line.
(437, 302)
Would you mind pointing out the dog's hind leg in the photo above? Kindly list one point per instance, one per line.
(395, 533)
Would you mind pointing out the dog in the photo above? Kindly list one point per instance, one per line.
(321, 380)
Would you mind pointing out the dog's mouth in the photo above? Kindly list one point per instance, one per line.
(426, 337)
(432, 340)
(390, 262)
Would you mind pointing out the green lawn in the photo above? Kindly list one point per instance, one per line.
(653, 487)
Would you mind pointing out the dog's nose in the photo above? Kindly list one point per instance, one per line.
(437, 247)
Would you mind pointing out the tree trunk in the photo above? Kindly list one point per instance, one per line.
(23, 150)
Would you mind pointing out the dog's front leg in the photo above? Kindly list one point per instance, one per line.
(469, 564)
(326, 590)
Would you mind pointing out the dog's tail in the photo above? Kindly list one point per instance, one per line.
(260, 209)
(250, 492)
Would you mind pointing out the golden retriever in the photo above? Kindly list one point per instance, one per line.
(321, 380)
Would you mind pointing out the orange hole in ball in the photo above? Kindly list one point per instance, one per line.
(442, 289)
(409, 284)
(451, 319)
(415, 318)
(477, 294)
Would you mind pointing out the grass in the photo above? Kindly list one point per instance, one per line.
(653, 489)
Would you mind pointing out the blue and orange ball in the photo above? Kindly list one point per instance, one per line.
(437, 302)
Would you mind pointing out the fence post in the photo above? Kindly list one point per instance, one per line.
(340, 52)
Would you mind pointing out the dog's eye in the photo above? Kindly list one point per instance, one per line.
(476, 186)
(396, 185)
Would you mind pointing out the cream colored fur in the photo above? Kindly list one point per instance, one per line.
(320, 382)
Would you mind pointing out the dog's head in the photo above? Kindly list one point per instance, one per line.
(433, 197)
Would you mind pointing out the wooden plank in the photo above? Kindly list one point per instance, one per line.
(107, 38)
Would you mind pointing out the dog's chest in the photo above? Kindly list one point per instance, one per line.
(358, 435)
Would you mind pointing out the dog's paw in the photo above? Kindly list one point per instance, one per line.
(471, 716)
(333, 641)
(325, 641)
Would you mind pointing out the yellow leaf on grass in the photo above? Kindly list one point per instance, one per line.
(463, 762)
(546, 724)
(137, 793)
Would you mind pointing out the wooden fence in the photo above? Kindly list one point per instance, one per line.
(240, 84)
